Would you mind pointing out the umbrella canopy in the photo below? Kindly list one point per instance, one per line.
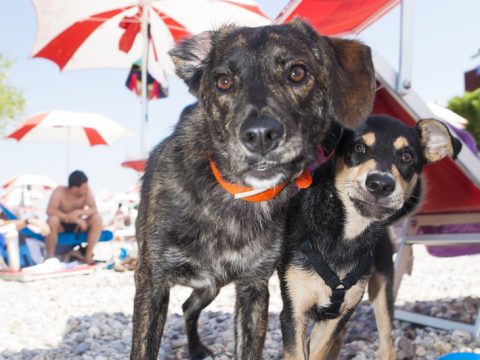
(337, 17)
(81, 128)
(30, 180)
(89, 34)
(86, 129)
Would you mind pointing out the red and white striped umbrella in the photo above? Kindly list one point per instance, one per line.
(86, 129)
(92, 33)
(81, 128)
(30, 180)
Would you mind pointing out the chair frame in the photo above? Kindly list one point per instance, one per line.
(404, 261)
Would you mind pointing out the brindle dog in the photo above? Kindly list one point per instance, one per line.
(336, 232)
(266, 97)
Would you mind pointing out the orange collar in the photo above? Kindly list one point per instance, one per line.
(255, 195)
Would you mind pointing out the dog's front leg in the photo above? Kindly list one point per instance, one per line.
(251, 318)
(149, 316)
(325, 342)
(380, 293)
(192, 307)
(294, 327)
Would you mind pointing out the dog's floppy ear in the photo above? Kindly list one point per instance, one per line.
(351, 75)
(437, 141)
(352, 80)
(189, 58)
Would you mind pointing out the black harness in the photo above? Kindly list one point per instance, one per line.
(339, 287)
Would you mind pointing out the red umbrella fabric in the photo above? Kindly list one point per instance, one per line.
(337, 17)
(137, 165)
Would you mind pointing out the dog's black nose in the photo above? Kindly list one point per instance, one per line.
(261, 135)
(380, 185)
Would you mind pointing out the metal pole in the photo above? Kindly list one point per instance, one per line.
(68, 149)
(144, 100)
(404, 80)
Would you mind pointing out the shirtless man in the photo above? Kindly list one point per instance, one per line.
(73, 208)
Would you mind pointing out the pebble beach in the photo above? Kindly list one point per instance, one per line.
(89, 316)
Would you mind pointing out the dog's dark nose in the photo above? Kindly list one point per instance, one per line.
(261, 135)
(380, 185)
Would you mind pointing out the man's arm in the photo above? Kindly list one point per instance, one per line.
(53, 208)
(91, 205)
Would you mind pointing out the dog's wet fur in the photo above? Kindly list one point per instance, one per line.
(373, 180)
(266, 97)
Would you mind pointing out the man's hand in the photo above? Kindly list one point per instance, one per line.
(73, 216)
(82, 225)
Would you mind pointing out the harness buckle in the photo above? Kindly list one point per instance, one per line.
(338, 295)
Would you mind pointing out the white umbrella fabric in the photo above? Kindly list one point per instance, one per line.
(30, 180)
(86, 129)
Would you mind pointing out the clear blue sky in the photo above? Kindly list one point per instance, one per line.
(446, 35)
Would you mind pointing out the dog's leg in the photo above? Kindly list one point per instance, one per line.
(149, 315)
(380, 293)
(192, 307)
(251, 317)
(294, 327)
(326, 337)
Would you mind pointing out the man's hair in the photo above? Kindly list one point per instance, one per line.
(77, 178)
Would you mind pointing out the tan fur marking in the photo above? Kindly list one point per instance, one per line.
(322, 338)
(377, 292)
(407, 186)
(400, 143)
(346, 179)
(369, 138)
(307, 289)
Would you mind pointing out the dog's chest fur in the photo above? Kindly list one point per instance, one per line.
(203, 236)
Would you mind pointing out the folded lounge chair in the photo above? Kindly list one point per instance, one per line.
(66, 240)
(450, 215)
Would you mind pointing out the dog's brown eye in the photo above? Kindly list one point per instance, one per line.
(407, 157)
(297, 73)
(360, 148)
(224, 82)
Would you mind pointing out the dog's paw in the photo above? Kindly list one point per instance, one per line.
(200, 352)
(386, 353)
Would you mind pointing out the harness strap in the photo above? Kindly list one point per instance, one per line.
(320, 266)
(339, 287)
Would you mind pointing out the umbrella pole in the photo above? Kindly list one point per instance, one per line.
(68, 149)
(144, 97)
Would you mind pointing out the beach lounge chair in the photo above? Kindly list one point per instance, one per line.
(66, 240)
(452, 198)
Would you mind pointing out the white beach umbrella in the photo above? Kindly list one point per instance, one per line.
(30, 180)
(86, 129)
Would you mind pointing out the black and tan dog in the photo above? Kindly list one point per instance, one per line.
(336, 232)
(266, 97)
